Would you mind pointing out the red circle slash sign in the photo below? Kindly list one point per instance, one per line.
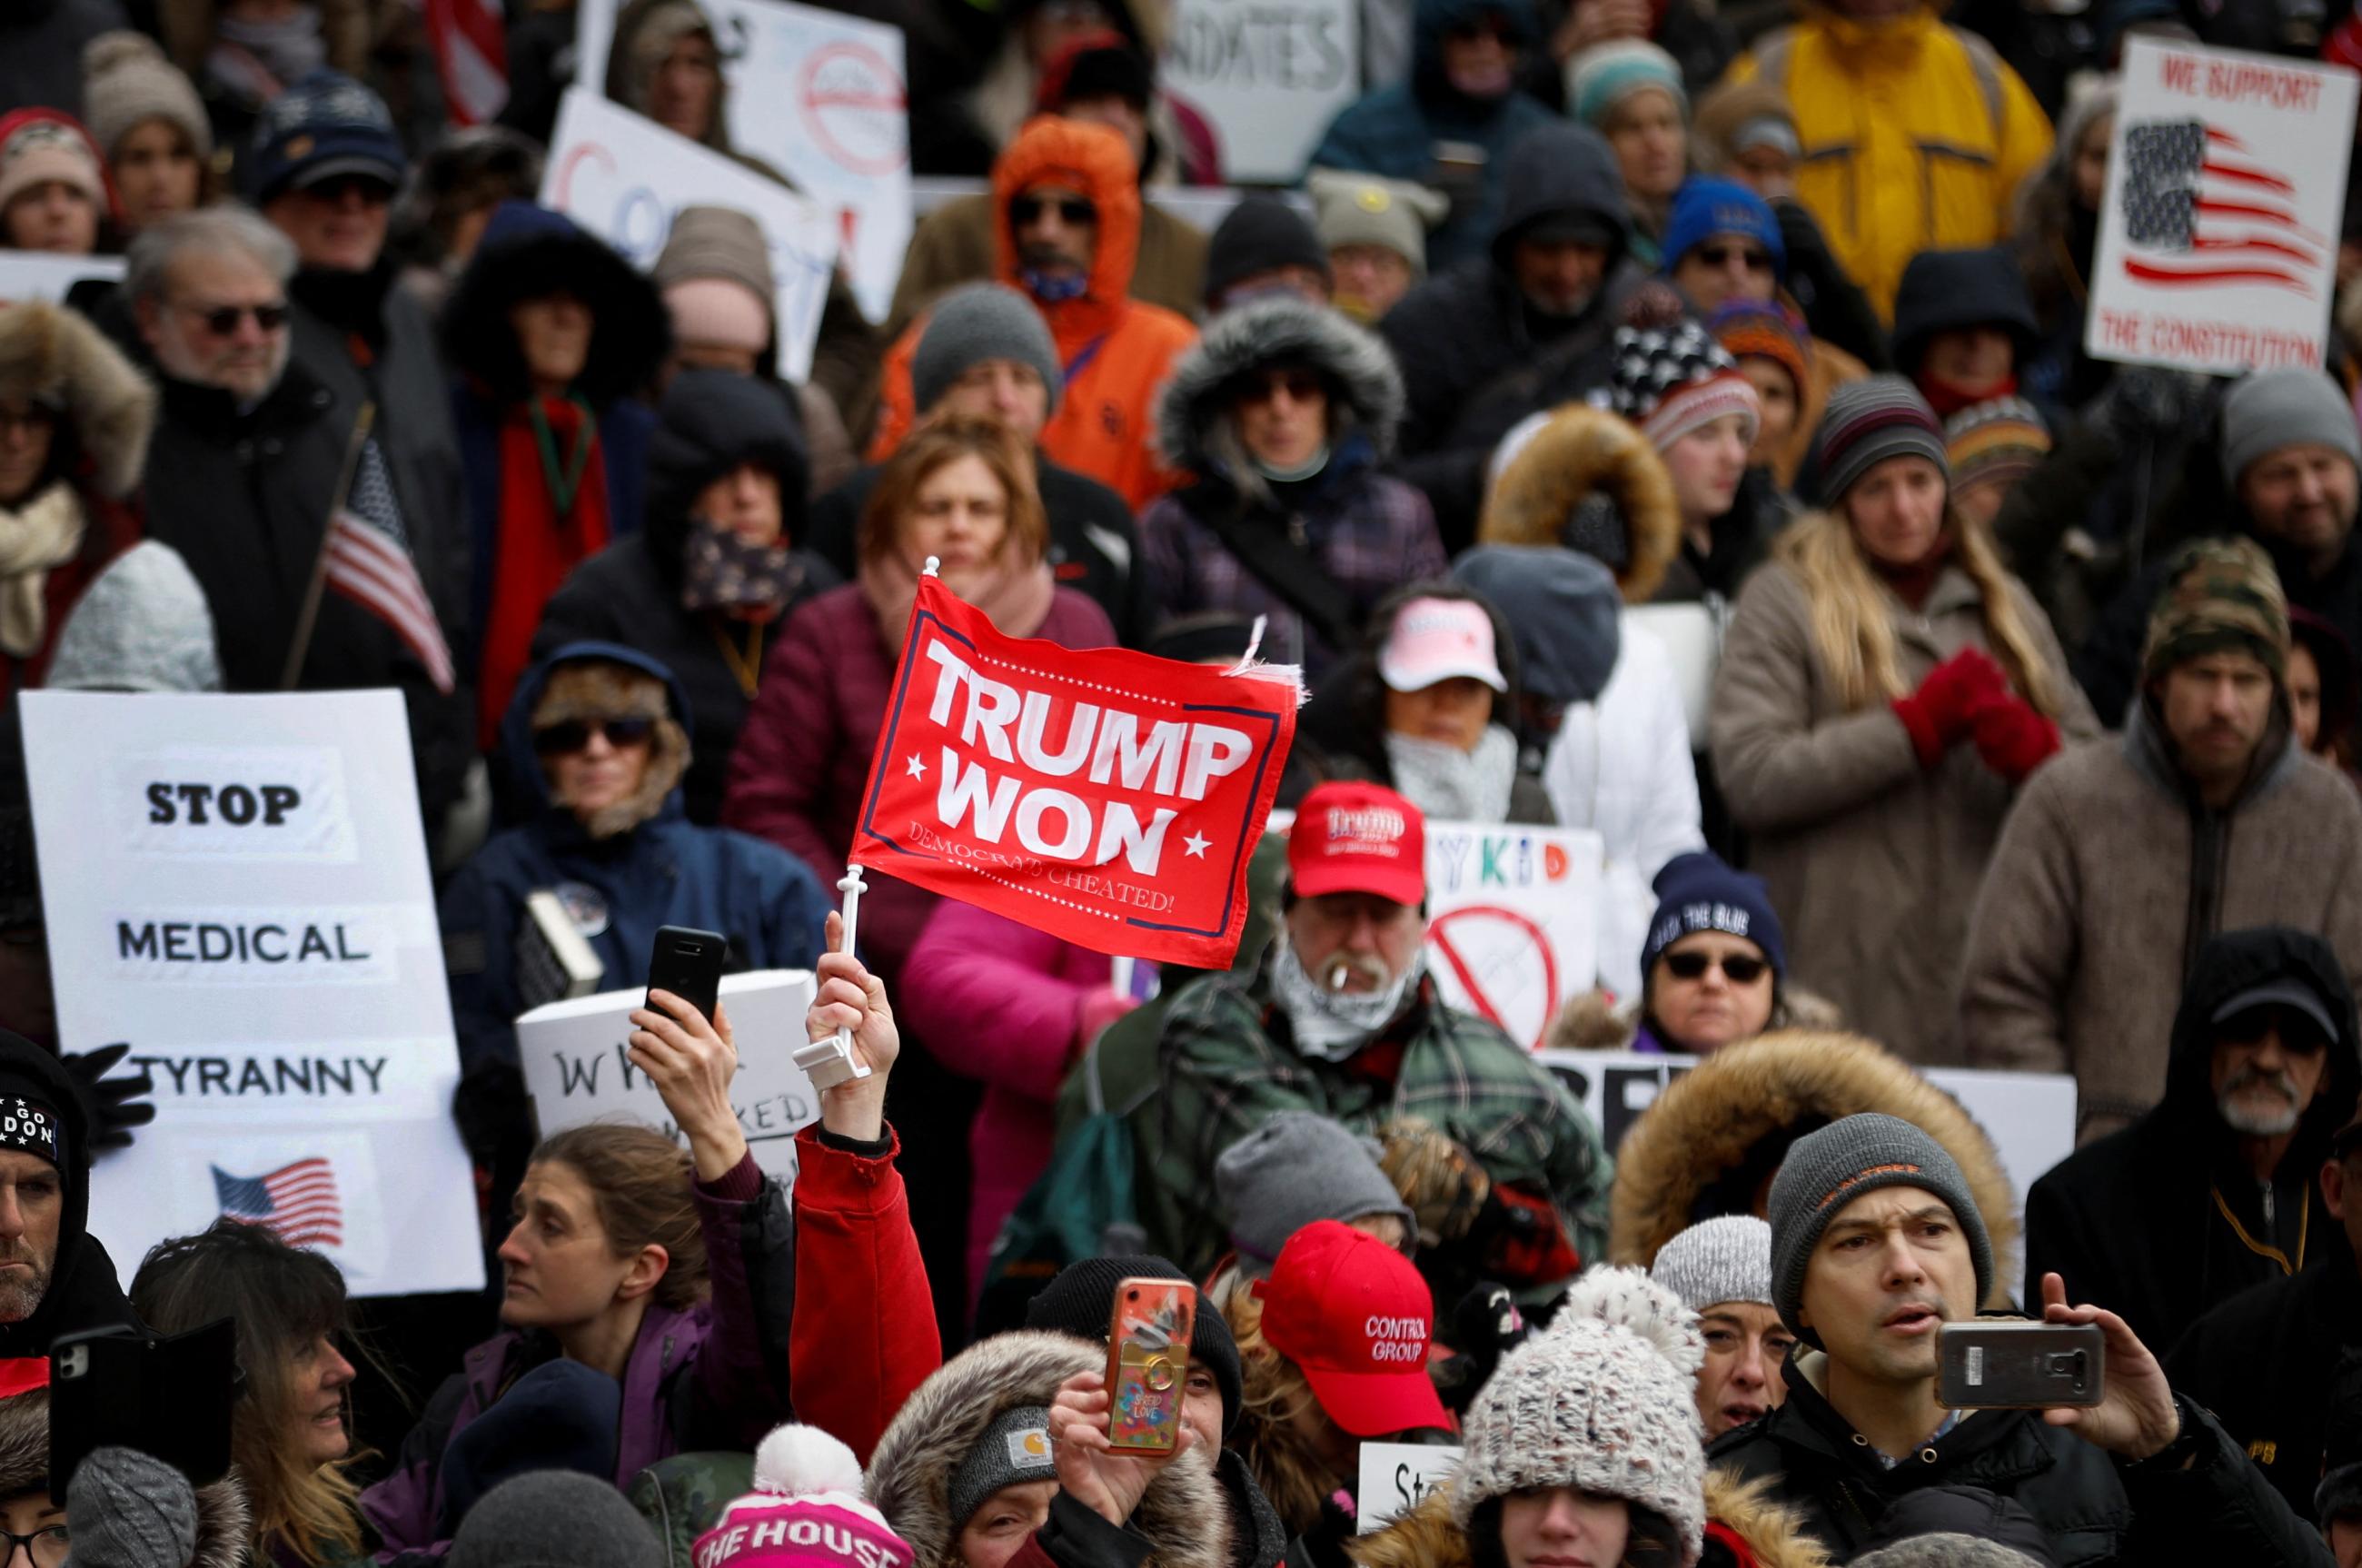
(1439, 939)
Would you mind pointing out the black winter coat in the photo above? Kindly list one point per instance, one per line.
(2218, 1511)
(2160, 1220)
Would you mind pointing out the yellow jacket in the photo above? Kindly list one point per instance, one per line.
(1915, 137)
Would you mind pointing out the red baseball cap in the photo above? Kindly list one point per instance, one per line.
(1358, 838)
(1354, 1314)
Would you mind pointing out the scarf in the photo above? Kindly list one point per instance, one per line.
(261, 60)
(1332, 1025)
(1913, 584)
(721, 571)
(1016, 598)
(1948, 400)
(553, 517)
(34, 540)
(1455, 786)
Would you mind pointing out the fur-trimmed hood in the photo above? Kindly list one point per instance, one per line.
(1355, 362)
(1596, 1021)
(1579, 450)
(1426, 1537)
(1713, 1139)
(51, 355)
(1182, 1515)
(596, 694)
(225, 1524)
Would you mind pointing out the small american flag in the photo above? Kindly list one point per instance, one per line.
(2200, 208)
(299, 1201)
(376, 573)
(471, 43)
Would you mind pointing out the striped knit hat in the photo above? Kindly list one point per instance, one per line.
(1768, 331)
(2001, 440)
(1670, 380)
(1870, 421)
(1606, 74)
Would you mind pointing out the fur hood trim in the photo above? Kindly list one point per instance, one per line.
(225, 1524)
(1426, 1537)
(1274, 332)
(51, 354)
(1711, 1122)
(1580, 450)
(1182, 1515)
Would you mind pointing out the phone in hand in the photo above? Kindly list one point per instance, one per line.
(1147, 1363)
(169, 1395)
(687, 963)
(2009, 1365)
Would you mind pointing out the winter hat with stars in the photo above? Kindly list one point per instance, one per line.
(1670, 380)
(806, 1511)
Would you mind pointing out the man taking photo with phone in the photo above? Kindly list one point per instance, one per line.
(1876, 1245)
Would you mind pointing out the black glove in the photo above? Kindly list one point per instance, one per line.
(114, 1106)
(1485, 1327)
(2150, 401)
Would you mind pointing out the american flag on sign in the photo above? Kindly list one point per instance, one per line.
(376, 573)
(299, 1201)
(2201, 208)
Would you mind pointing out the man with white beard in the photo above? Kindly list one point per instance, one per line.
(1504, 1172)
(2213, 1191)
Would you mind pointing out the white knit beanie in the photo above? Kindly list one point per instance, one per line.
(1602, 1402)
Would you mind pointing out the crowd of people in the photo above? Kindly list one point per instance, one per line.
(1994, 705)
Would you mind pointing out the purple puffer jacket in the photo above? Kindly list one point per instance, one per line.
(696, 1379)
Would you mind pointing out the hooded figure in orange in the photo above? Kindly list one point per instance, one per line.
(1066, 229)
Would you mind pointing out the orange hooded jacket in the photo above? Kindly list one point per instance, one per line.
(1118, 350)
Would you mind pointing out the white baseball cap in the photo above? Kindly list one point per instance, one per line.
(1437, 639)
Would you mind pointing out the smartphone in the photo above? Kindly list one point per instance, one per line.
(1147, 1363)
(169, 1395)
(687, 963)
(2003, 1365)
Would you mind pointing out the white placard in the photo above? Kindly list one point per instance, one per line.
(820, 97)
(238, 886)
(1395, 1477)
(1268, 75)
(1513, 920)
(577, 1069)
(625, 179)
(1693, 642)
(2225, 197)
(37, 275)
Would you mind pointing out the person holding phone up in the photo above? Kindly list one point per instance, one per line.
(687, 1309)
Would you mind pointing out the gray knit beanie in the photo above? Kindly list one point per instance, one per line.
(1828, 1169)
(131, 1511)
(2291, 407)
(980, 322)
(1727, 1258)
(127, 82)
(1604, 1401)
(1870, 421)
(1946, 1551)
(1297, 1167)
(141, 625)
(1013, 1450)
(553, 1518)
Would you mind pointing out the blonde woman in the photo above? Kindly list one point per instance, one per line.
(1884, 687)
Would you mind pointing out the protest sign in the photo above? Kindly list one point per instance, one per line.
(1395, 1477)
(37, 275)
(1513, 920)
(820, 97)
(625, 177)
(237, 887)
(2225, 200)
(578, 1063)
(1268, 74)
(1103, 796)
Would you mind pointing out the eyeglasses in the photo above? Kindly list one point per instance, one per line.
(222, 320)
(1756, 258)
(569, 735)
(1301, 386)
(1737, 968)
(47, 1547)
(2298, 1033)
(1073, 210)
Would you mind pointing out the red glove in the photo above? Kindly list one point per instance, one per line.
(2013, 737)
(1944, 708)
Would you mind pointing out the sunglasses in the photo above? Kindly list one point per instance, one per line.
(569, 735)
(2297, 1032)
(1301, 386)
(222, 320)
(1756, 258)
(1073, 210)
(1738, 969)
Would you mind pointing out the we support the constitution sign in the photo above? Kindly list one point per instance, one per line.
(1106, 797)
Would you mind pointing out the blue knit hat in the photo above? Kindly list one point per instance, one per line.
(325, 126)
(1705, 207)
(1697, 892)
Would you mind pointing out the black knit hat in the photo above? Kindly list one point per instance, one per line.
(1081, 1301)
(1942, 290)
(1260, 233)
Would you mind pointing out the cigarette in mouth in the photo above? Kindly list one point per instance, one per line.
(1339, 973)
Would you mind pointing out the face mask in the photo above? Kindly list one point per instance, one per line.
(1053, 288)
(1332, 1025)
(721, 571)
(1483, 82)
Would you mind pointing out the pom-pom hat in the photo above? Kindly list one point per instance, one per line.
(806, 1511)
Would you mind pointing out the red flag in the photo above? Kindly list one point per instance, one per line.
(470, 42)
(1103, 796)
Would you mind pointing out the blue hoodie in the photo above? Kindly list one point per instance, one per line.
(666, 871)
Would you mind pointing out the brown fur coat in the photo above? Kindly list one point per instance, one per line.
(1426, 1537)
(1580, 450)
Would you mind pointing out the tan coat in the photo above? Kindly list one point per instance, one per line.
(2082, 932)
(1872, 864)
(953, 245)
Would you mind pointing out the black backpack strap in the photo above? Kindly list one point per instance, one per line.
(1282, 566)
